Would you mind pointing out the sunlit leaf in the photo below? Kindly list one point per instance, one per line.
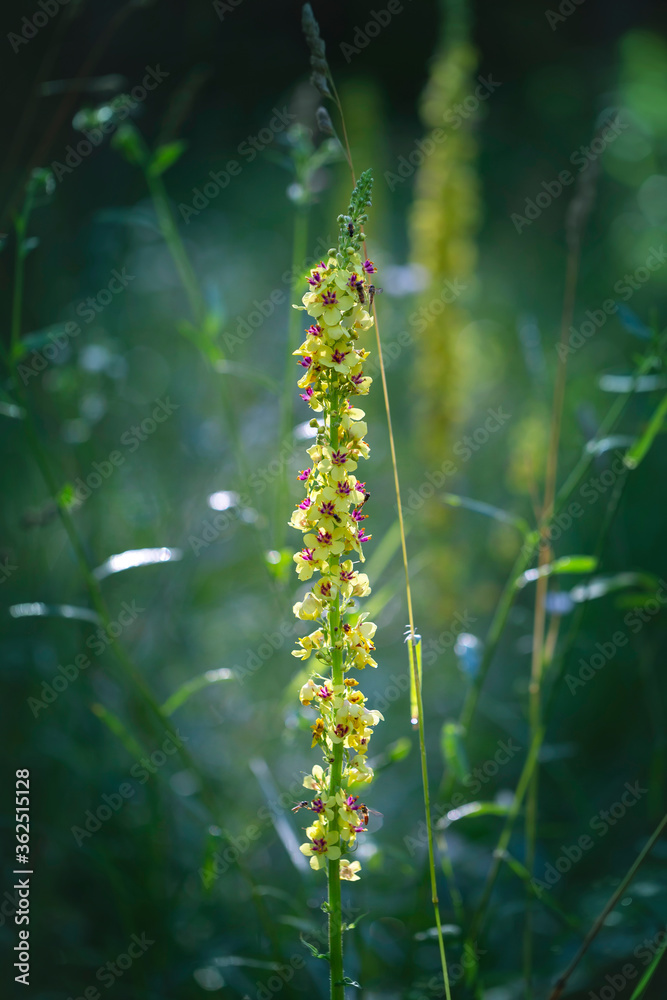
(566, 564)
(597, 448)
(632, 383)
(136, 557)
(479, 507)
(38, 610)
(599, 586)
(474, 809)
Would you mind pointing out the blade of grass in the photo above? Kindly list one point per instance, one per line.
(563, 980)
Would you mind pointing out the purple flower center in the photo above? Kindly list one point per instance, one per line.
(307, 394)
(306, 362)
(357, 515)
(344, 575)
(315, 330)
(328, 507)
(320, 845)
(324, 537)
(305, 504)
(362, 537)
(303, 475)
(341, 730)
(357, 379)
(325, 589)
(324, 692)
(315, 279)
(339, 458)
(338, 356)
(330, 299)
(307, 555)
(351, 801)
(317, 805)
(343, 488)
(369, 267)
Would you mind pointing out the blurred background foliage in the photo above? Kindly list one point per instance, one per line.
(190, 333)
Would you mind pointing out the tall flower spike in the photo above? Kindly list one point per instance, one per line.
(332, 521)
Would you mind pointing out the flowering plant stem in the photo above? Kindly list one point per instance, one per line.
(413, 640)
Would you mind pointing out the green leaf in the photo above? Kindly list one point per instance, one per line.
(351, 927)
(35, 609)
(474, 809)
(640, 448)
(118, 728)
(400, 749)
(453, 750)
(479, 507)
(566, 564)
(165, 156)
(599, 586)
(640, 988)
(192, 686)
(11, 410)
(632, 383)
(313, 950)
(66, 497)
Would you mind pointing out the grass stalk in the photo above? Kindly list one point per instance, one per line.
(539, 619)
(412, 639)
(563, 980)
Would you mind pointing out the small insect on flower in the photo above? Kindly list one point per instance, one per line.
(372, 292)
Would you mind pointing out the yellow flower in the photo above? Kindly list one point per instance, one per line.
(307, 692)
(315, 780)
(349, 872)
(323, 846)
(318, 732)
(308, 643)
(309, 608)
(306, 563)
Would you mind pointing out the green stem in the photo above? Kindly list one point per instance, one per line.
(501, 847)
(336, 769)
(172, 238)
(335, 779)
(414, 652)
